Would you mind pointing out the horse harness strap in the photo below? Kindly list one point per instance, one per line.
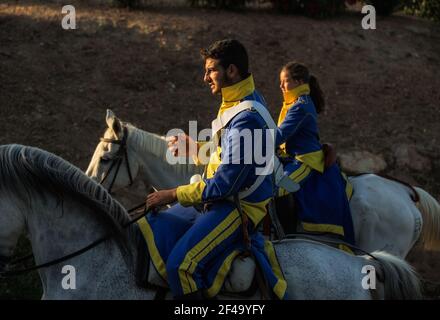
(244, 225)
(4, 260)
(121, 154)
(324, 240)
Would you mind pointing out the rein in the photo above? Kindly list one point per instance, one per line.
(4, 260)
(117, 160)
(321, 239)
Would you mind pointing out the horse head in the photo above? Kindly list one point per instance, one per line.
(114, 163)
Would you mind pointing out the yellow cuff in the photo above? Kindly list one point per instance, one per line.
(313, 159)
(190, 194)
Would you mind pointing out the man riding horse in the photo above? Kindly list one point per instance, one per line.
(202, 252)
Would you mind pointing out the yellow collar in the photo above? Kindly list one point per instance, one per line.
(232, 95)
(292, 95)
(290, 98)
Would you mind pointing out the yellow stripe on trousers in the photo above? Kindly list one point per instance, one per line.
(221, 274)
(152, 249)
(348, 186)
(281, 285)
(230, 224)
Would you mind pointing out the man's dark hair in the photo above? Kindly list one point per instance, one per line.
(228, 52)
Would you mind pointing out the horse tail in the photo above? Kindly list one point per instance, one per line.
(401, 282)
(430, 210)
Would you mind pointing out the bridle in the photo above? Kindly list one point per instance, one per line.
(117, 159)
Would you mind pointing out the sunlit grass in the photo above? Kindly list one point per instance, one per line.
(87, 18)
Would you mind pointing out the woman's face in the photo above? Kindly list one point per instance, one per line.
(286, 82)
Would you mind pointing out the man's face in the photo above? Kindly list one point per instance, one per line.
(215, 75)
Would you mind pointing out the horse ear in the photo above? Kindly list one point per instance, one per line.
(113, 122)
(110, 118)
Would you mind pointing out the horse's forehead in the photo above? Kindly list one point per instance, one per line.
(109, 134)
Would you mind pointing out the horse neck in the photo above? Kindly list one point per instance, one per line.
(150, 150)
(101, 273)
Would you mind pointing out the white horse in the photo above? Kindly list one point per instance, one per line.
(384, 215)
(63, 210)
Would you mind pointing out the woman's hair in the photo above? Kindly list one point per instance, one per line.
(299, 71)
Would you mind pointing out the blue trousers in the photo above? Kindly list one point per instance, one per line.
(205, 245)
(193, 251)
(322, 201)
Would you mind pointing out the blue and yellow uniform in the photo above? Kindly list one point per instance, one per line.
(204, 250)
(322, 200)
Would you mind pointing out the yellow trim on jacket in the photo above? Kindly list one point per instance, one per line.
(290, 98)
(190, 194)
(256, 211)
(314, 160)
(297, 176)
(316, 227)
(232, 95)
(348, 186)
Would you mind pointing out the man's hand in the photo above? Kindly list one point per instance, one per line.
(182, 145)
(160, 198)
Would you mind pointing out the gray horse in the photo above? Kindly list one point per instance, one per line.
(63, 210)
(384, 215)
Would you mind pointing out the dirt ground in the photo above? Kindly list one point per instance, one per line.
(382, 86)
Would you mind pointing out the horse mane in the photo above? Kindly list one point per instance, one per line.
(25, 168)
(157, 146)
